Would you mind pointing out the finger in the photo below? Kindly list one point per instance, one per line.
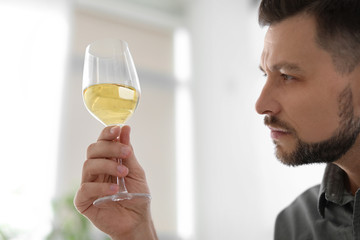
(125, 135)
(131, 161)
(108, 149)
(93, 168)
(109, 133)
(89, 192)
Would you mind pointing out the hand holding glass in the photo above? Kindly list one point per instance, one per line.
(111, 93)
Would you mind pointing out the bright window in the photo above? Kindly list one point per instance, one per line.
(33, 48)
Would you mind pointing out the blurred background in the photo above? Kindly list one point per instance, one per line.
(207, 154)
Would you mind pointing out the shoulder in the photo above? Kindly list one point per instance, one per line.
(298, 218)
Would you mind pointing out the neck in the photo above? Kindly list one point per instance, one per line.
(350, 163)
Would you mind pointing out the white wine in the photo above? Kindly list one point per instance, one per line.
(112, 104)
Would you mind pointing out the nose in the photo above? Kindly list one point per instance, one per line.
(268, 101)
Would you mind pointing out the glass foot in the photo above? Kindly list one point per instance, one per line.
(109, 200)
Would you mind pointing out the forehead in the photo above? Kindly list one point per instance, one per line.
(291, 40)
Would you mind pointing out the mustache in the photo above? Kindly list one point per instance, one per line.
(276, 122)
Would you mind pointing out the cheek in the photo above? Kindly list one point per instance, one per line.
(355, 88)
(356, 101)
(314, 120)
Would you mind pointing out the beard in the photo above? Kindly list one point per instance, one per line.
(328, 150)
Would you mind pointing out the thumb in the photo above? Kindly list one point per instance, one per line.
(131, 162)
(125, 135)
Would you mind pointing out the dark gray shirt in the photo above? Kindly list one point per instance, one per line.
(323, 212)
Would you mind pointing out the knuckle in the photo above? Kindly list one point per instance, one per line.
(141, 171)
(86, 164)
(104, 133)
(82, 190)
(86, 171)
(82, 187)
(91, 148)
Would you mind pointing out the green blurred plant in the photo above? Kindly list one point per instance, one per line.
(3, 236)
(68, 224)
(7, 233)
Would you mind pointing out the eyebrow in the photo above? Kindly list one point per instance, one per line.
(261, 69)
(284, 66)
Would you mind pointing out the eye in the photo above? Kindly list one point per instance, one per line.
(287, 77)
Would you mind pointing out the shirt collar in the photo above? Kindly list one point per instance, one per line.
(333, 188)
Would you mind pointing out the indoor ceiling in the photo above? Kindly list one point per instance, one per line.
(169, 6)
(163, 13)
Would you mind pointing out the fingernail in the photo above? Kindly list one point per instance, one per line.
(121, 169)
(113, 129)
(114, 187)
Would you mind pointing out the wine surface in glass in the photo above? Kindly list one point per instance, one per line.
(112, 104)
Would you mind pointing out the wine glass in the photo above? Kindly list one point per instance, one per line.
(111, 93)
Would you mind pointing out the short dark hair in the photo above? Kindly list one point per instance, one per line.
(338, 25)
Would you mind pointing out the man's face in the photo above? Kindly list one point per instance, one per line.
(309, 107)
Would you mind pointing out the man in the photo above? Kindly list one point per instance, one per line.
(311, 103)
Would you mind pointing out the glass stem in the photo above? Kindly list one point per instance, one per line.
(120, 180)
